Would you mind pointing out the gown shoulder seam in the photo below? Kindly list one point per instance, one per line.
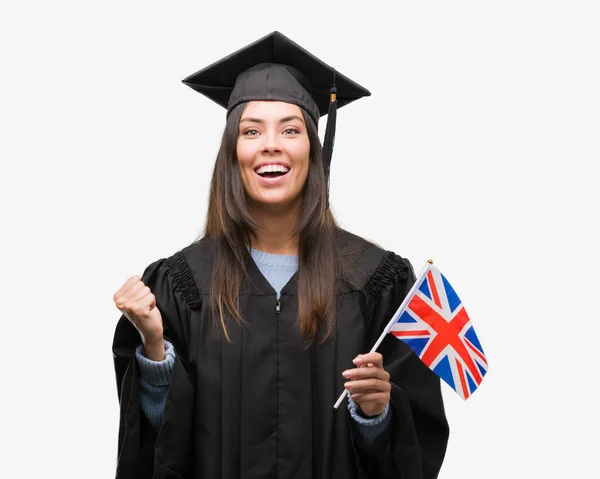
(390, 267)
(183, 278)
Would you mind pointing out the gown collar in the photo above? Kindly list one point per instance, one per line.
(257, 284)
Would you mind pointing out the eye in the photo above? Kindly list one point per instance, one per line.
(250, 132)
(291, 131)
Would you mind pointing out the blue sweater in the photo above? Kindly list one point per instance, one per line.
(373, 433)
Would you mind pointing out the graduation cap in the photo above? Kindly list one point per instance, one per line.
(275, 68)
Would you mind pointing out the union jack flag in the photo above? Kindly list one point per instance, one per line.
(437, 328)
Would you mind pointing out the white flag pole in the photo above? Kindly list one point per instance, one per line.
(395, 317)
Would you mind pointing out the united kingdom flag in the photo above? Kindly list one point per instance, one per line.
(437, 328)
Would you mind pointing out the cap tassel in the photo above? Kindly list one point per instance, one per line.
(329, 136)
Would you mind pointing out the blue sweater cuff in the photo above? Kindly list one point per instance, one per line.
(370, 428)
(156, 373)
(358, 416)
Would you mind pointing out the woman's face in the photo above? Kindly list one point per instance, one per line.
(273, 153)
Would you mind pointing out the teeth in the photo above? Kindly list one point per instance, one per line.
(272, 169)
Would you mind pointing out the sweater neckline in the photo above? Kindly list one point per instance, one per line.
(270, 259)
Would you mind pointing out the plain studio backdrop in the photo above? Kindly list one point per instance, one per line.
(476, 149)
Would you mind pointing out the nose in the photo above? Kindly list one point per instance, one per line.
(270, 143)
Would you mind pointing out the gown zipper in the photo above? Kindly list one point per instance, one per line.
(278, 306)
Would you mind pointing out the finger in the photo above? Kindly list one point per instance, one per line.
(128, 297)
(133, 287)
(375, 358)
(140, 294)
(141, 310)
(123, 289)
(144, 305)
(358, 395)
(366, 372)
(133, 294)
(365, 385)
(377, 397)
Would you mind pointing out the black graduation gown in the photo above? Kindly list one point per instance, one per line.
(261, 406)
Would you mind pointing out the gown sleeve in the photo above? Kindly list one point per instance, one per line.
(142, 450)
(419, 426)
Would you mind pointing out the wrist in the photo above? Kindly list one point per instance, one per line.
(154, 349)
(373, 413)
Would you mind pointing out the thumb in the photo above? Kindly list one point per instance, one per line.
(155, 312)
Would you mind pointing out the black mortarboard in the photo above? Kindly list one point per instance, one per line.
(276, 68)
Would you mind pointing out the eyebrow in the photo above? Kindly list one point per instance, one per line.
(283, 120)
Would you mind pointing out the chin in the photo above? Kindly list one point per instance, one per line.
(278, 202)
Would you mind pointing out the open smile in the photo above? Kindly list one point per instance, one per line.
(272, 173)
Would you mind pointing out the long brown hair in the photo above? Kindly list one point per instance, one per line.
(231, 227)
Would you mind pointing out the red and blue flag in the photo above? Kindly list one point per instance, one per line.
(436, 326)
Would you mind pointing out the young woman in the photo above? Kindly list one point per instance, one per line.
(231, 353)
